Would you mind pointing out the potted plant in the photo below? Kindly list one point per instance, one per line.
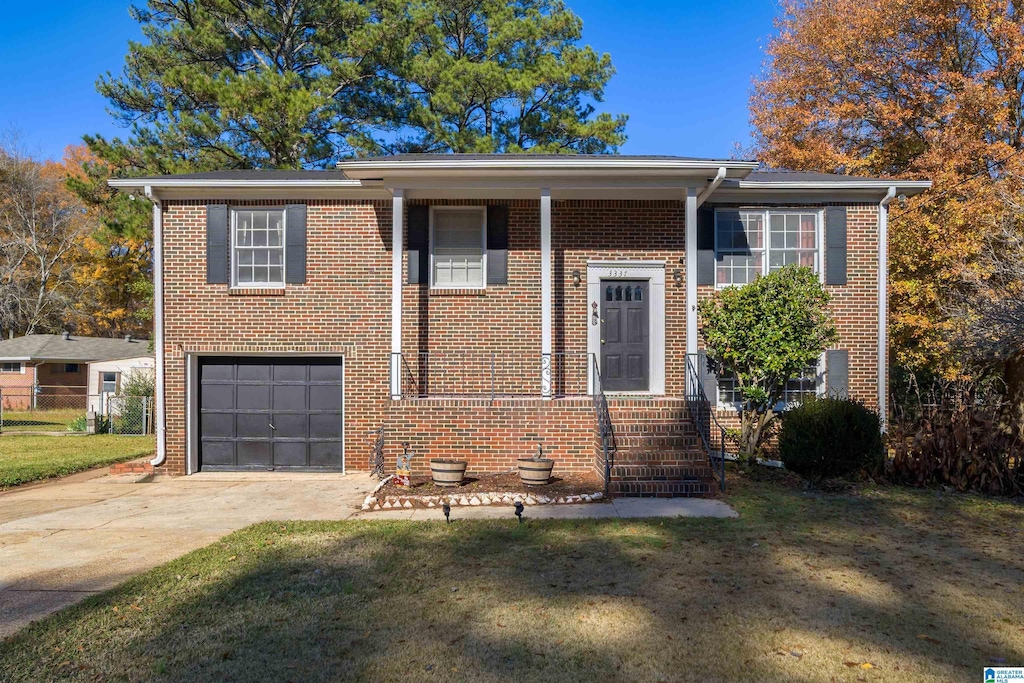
(536, 471)
(447, 472)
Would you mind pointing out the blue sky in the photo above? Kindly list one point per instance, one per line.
(684, 69)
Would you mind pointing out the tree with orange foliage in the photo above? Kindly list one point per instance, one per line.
(910, 89)
(116, 274)
(42, 227)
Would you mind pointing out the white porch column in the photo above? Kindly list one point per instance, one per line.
(691, 270)
(545, 293)
(397, 221)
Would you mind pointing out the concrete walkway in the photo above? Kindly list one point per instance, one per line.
(64, 540)
(621, 508)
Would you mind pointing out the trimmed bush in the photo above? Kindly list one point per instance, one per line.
(830, 437)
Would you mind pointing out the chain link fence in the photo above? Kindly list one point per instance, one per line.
(67, 409)
(128, 415)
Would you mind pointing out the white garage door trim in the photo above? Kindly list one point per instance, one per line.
(192, 399)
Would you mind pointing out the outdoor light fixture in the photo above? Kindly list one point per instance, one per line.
(677, 275)
(447, 511)
(519, 511)
(576, 278)
(902, 199)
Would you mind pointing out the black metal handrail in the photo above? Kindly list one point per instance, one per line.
(702, 412)
(605, 429)
(490, 374)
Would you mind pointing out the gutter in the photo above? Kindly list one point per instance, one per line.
(883, 303)
(158, 325)
(712, 186)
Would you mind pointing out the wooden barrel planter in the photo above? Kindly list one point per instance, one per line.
(535, 472)
(447, 472)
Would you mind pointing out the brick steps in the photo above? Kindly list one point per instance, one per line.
(660, 489)
(660, 472)
(133, 467)
(658, 452)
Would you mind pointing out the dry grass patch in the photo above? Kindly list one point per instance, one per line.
(885, 585)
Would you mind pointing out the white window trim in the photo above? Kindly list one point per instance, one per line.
(820, 389)
(19, 371)
(233, 261)
(103, 381)
(482, 210)
(654, 273)
(819, 235)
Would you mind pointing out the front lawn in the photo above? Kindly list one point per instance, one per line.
(884, 585)
(25, 458)
(55, 420)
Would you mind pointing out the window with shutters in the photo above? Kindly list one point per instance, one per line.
(809, 383)
(753, 242)
(257, 247)
(458, 247)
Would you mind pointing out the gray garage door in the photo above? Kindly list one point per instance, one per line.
(261, 413)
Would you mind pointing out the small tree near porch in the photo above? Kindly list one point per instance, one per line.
(764, 334)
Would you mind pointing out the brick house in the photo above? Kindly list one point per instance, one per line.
(58, 371)
(476, 306)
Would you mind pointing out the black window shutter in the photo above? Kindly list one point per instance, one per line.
(217, 244)
(838, 372)
(497, 245)
(708, 379)
(705, 246)
(295, 244)
(835, 245)
(419, 244)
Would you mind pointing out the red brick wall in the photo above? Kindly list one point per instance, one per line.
(344, 307)
(854, 306)
(492, 435)
(16, 388)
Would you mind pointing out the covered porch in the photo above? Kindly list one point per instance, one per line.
(589, 243)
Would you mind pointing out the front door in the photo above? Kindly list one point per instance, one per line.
(625, 338)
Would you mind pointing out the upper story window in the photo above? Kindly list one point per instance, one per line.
(743, 250)
(458, 247)
(12, 367)
(257, 248)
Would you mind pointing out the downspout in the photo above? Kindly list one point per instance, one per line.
(158, 324)
(883, 304)
(712, 186)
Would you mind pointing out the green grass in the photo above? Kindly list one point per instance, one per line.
(27, 458)
(884, 585)
(55, 420)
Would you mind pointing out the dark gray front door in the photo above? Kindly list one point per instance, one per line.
(259, 413)
(625, 344)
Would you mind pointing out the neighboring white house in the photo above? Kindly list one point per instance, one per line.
(105, 377)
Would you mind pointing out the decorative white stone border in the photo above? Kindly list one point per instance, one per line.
(372, 502)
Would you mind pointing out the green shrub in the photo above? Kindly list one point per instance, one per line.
(81, 423)
(830, 437)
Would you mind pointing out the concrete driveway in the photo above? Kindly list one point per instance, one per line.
(63, 541)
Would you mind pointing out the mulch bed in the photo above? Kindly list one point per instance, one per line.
(558, 487)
